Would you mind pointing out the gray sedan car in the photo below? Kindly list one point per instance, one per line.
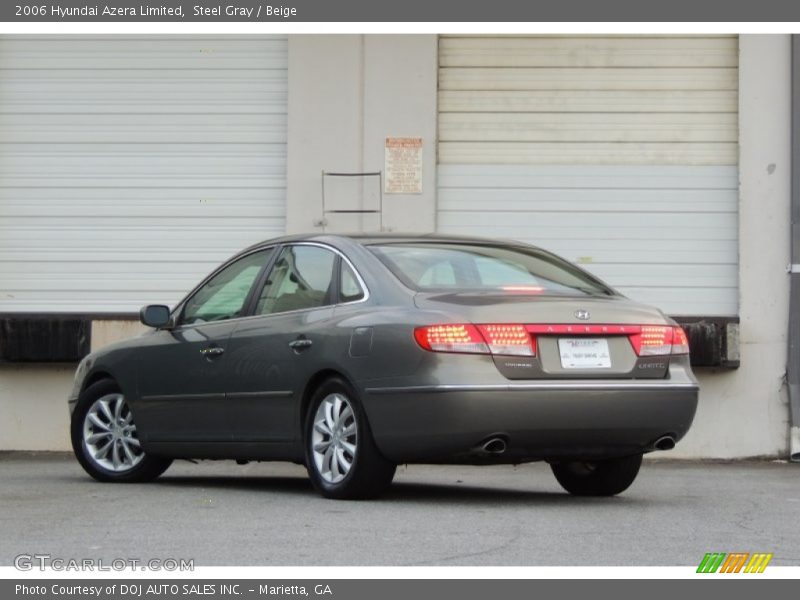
(355, 354)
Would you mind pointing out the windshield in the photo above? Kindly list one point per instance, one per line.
(426, 266)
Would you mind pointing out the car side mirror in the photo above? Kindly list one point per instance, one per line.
(155, 315)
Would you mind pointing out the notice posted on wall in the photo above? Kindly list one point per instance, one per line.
(403, 165)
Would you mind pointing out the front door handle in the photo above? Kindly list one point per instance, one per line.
(212, 351)
(300, 344)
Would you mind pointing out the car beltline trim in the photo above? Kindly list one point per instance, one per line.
(264, 394)
(549, 385)
(221, 396)
(161, 397)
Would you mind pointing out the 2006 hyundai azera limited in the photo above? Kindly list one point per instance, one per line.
(355, 354)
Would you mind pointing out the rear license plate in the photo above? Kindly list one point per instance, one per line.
(584, 353)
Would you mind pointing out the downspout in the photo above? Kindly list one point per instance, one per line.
(793, 354)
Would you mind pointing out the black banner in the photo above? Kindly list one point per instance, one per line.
(383, 589)
(405, 11)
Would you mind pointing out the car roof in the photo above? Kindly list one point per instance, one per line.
(368, 239)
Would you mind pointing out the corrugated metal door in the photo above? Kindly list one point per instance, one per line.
(619, 153)
(131, 166)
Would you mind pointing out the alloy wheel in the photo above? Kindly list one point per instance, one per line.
(109, 434)
(334, 438)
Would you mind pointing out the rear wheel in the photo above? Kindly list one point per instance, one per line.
(105, 439)
(597, 478)
(342, 459)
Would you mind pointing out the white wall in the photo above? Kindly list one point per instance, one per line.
(347, 93)
(33, 405)
(745, 412)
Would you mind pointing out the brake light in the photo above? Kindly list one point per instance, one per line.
(500, 338)
(680, 343)
(520, 340)
(451, 338)
(508, 339)
(657, 340)
(524, 289)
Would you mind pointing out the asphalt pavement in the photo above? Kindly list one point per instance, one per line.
(220, 513)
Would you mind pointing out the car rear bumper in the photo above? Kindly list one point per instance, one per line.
(549, 420)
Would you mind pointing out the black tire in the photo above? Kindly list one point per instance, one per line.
(597, 478)
(146, 469)
(370, 474)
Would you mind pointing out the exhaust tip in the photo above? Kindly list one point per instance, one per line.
(666, 442)
(494, 446)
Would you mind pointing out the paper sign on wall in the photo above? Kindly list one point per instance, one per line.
(403, 165)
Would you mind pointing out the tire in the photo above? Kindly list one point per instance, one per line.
(342, 459)
(598, 478)
(101, 429)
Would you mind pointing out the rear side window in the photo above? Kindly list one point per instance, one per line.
(350, 289)
(301, 278)
(427, 266)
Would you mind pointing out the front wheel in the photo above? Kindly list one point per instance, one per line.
(597, 478)
(105, 440)
(342, 459)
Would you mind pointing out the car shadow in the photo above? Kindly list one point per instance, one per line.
(278, 484)
(399, 492)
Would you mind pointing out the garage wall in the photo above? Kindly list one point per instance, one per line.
(131, 166)
(619, 153)
(347, 94)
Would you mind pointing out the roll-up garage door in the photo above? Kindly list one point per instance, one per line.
(131, 166)
(619, 153)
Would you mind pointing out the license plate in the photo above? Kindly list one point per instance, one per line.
(584, 353)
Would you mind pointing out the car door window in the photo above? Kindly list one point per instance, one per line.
(224, 295)
(350, 289)
(301, 278)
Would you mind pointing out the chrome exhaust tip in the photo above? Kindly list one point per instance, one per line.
(666, 442)
(494, 445)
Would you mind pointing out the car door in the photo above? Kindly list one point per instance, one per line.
(181, 370)
(272, 351)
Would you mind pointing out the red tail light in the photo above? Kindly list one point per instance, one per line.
(657, 340)
(501, 338)
(520, 340)
(508, 339)
(457, 337)
(680, 343)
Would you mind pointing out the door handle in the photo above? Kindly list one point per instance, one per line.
(212, 351)
(300, 344)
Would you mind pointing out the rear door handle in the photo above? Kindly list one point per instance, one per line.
(300, 344)
(212, 351)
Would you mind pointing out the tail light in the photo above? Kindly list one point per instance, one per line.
(508, 339)
(656, 340)
(451, 338)
(520, 340)
(501, 338)
(680, 343)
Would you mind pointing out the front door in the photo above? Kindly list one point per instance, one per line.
(182, 371)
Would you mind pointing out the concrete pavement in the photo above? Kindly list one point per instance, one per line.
(219, 513)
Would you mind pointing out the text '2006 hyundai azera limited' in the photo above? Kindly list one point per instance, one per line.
(355, 354)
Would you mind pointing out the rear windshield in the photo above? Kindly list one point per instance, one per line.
(428, 266)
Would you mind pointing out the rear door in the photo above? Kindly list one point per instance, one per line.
(182, 371)
(274, 351)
